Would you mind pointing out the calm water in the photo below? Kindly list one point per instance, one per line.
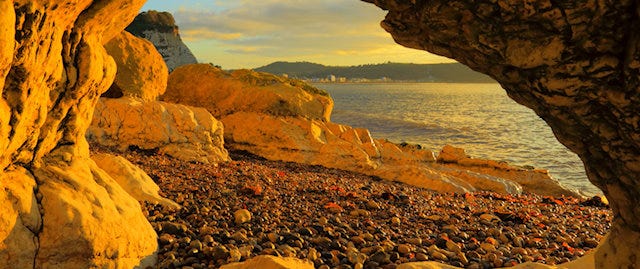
(477, 117)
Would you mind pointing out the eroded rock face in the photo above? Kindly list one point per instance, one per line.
(575, 63)
(141, 73)
(53, 68)
(224, 93)
(186, 133)
(160, 28)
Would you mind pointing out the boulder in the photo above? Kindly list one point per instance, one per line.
(183, 132)
(451, 154)
(141, 71)
(132, 179)
(271, 262)
(224, 93)
(81, 201)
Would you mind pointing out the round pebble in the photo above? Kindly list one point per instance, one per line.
(241, 216)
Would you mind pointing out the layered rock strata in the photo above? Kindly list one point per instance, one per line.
(575, 63)
(160, 28)
(59, 209)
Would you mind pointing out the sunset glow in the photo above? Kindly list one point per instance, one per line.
(248, 34)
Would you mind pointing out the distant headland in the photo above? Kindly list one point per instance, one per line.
(385, 72)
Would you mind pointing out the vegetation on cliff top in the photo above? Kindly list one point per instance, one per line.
(449, 72)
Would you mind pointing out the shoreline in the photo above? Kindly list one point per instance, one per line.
(334, 218)
(400, 82)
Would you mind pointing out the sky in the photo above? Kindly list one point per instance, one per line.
(249, 33)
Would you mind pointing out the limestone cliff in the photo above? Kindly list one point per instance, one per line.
(575, 63)
(160, 28)
(59, 209)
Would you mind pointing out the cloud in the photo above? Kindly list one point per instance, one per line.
(286, 29)
(203, 33)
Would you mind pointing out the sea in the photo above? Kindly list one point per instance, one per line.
(480, 118)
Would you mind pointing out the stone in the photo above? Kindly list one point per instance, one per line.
(554, 71)
(271, 262)
(53, 68)
(489, 217)
(241, 216)
(452, 246)
(160, 29)
(404, 249)
(132, 179)
(141, 71)
(107, 219)
(186, 133)
(223, 93)
(451, 154)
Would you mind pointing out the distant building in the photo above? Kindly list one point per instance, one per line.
(342, 79)
(332, 78)
(285, 75)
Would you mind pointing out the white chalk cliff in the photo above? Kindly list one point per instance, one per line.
(161, 30)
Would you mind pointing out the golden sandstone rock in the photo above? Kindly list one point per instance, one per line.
(224, 93)
(130, 115)
(186, 133)
(141, 71)
(53, 68)
(132, 179)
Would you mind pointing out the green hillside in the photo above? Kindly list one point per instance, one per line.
(450, 72)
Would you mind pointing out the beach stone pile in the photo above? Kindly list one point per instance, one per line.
(336, 219)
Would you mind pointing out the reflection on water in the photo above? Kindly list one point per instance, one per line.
(477, 117)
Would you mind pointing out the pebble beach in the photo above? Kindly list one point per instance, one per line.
(336, 219)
